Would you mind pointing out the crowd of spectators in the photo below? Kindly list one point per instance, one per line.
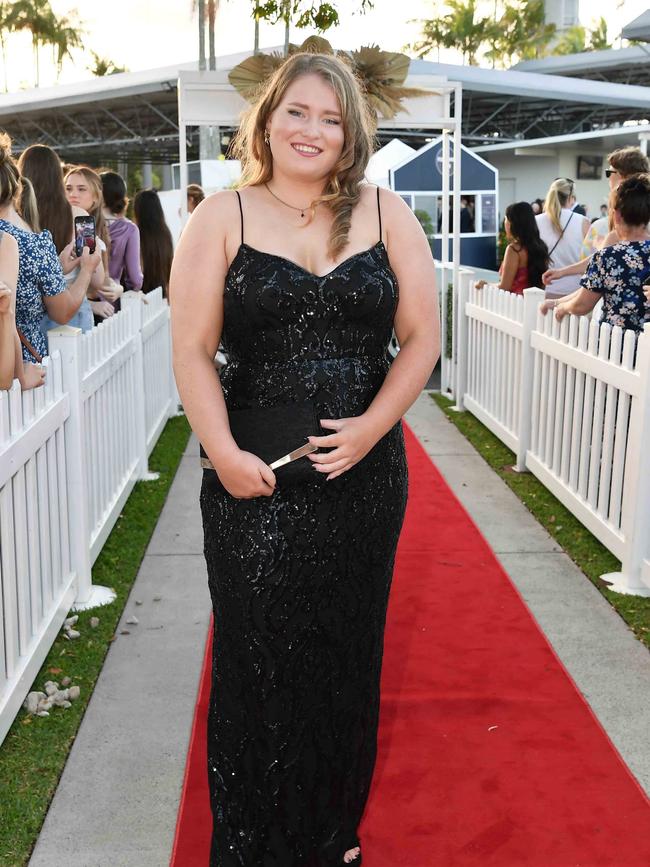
(44, 282)
(583, 263)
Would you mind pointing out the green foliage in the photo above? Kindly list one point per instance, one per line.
(502, 243)
(63, 33)
(103, 66)
(35, 750)
(578, 39)
(520, 33)
(449, 342)
(460, 28)
(302, 13)
(425, 221)
(573, 41)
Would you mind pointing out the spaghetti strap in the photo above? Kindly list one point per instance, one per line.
(379, 213)
(241, 216)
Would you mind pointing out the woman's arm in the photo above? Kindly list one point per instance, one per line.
(196, 289)
(8, 333)
(62, 306)
(417, 326)
(581, 302)
(509, 268)
(555, 273)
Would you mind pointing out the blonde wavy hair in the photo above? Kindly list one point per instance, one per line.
(94, 181)
(343, 188)
(557, 198)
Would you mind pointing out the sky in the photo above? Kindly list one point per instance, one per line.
(144, 34)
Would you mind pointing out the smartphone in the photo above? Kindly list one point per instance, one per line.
(84, 234)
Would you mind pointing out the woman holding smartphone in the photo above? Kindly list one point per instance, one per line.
(41, 286)
(83, 190)
(41, 165)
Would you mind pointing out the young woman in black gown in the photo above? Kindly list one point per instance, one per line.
(297, 273)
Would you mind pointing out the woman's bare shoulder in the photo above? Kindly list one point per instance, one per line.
(216, 212)
(8, 244)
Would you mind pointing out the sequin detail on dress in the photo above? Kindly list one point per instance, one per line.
(300, 581)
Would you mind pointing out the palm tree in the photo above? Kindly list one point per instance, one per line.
(207, 12)
(573, 41)
(37, 17)
(598, 40)
(213, 8)
(68, 35)
(460, 28)
(521, 32)
(103, 66)
(319, 14)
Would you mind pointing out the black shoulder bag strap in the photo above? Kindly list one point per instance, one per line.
(561, 234)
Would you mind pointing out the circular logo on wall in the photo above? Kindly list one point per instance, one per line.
(438, 162)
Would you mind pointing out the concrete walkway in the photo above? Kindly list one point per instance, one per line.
(117, 800)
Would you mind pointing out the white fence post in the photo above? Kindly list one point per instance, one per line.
(634, 577)
(67, 340)
(133, 301)
(532, 299)
(461, 331)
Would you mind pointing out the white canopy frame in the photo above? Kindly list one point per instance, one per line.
(206, 98)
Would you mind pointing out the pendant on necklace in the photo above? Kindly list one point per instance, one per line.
(302, 213)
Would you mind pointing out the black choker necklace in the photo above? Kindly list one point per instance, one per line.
(286, 204)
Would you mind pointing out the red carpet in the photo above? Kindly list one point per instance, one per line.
(488, 755)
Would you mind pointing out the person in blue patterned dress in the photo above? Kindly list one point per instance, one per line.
(41, 285)
(618, 273)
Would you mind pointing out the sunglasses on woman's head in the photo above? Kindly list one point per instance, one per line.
(610, 172)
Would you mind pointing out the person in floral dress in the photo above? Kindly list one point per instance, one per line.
(617, 274)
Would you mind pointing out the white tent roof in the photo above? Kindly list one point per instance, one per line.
(592, 61)
(386, 158)
(610, 138)
(639, 28)
(512, 82)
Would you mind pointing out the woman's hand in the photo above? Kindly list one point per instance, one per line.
(112, 290)
(102, 308)
(246, 476)
(550, 275)
(547, 305)
(32, 376)
(561, 310)
(68, 259)
(646, 292)
(352, 440)
(88, 261)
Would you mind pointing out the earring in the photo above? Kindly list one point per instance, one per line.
(267, 137)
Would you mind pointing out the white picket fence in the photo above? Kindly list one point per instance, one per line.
(572, 400)
(70, 454)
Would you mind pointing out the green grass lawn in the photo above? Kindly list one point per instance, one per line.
(583, 548)
(35, 750)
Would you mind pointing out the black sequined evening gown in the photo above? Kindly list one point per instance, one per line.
(300, 580)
